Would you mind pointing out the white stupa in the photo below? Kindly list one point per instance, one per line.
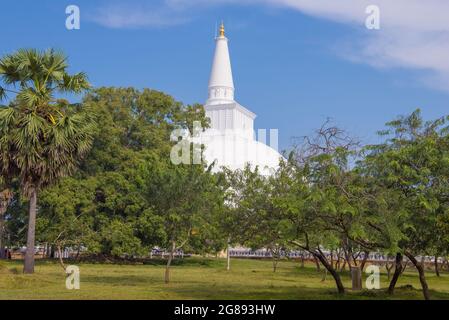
(230, 141)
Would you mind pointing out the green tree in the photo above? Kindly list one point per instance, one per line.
(238, 222)
(134, 124)
(46, 138)
(258, 221)
(322, 200)
(67, 215)
(180, 196)
(412, 165)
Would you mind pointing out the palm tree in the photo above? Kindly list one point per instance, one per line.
(41, 138)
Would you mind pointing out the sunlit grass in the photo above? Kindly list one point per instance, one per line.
(196, 278)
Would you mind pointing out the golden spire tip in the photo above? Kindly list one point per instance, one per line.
(222, 29)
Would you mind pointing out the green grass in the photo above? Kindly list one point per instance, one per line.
(196, 278)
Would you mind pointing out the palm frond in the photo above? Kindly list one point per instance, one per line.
(29, 97)
(40, 139)
(76, 83)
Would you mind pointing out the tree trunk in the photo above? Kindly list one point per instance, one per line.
(77, 256)
(61, 261)
(324, 276)
(2, 226)
(365, 258)
(437, 271)
(404, 267)
(332, 271)
(347, 259)
(29, 255)
(389, 266)
(274, 259)
(337, 264)
(318, 268)
(5, 199)
(228, 255)
(422, 278)
(275, 264)
(397, 273)
(170, 258)
(332, 258)
(343, 266)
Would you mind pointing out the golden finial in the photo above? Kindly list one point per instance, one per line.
(222, 30)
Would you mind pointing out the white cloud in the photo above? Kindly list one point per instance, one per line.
(414, 33)
(136, 14)
(154, 13)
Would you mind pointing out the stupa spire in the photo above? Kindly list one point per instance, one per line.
(221, 83)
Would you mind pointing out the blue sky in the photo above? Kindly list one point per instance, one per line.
(295, 62)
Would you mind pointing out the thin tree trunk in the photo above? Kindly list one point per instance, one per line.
(29, 255)
(170, 258)
(397, 273)
(61, 261)
(274, 259)
(332, 258)
(275, 264)
(437, 271)
(318, 268)
(404, 267)
(337, 264)
(347, 259)
(324, 276)
(5, 199)
(78, 253)
(343, 266)
(228, 255)
(332, 271)
(2, 226)
(389, 266)
(422, 278)
(365, 258)
(302, 260)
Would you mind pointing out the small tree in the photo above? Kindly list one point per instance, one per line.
(180, 195)
(412, 166)
(247, 215)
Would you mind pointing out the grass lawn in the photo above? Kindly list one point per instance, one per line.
(196, 278)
